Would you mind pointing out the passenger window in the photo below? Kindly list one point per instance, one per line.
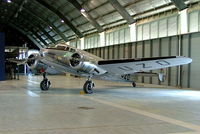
(67, 49)
(60, 47)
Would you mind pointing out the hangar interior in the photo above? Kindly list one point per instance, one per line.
(110, 29)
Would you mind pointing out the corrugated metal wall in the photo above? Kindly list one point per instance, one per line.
(168, 46)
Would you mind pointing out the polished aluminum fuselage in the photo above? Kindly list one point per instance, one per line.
(60, 61)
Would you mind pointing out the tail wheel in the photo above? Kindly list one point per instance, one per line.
(133, 84)
(45, 84)
(88, 86)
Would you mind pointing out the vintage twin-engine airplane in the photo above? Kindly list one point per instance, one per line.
(81, 63)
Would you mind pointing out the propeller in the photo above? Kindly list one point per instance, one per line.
(75, 59)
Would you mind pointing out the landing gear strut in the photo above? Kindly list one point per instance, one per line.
(133, 84)
(88, 86)
(45, 83)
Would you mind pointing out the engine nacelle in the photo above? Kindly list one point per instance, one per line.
(80, 63)
(33, 61)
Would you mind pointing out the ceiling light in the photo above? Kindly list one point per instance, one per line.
(9, 1)
(82, 10)
(16, 15)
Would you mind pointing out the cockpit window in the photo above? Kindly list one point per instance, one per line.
(64, 48)
(72, 50)
(60, 47)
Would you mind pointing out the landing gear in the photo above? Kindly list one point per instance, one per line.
(133, 84)
(88, 86)
(45, 83)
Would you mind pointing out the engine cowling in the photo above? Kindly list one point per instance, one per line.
(33, 61)
(80, 63)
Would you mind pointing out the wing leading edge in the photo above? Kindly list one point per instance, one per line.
(129, 66)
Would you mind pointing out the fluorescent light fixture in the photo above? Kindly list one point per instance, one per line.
(9, 1)
(16, 15)
(82, 10)
(62, 21)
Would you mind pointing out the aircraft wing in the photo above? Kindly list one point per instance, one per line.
(17, 61)
(130, 66)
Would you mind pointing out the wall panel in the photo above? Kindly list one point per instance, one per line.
(95, 51)
(147, 53)
(139, 49)
(102, 53)
(165, 42)
(111, 52)
(126, 51)
(185, 68)
(99, 52)
(116, 52)
(116, 37)
(155, 53)
(193, 21)
(174, 52)
(195, 71)
(163, 28)
(121, 51)
(106, 53)
(140, 55)
(133, 50)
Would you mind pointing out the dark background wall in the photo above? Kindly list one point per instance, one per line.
(2, 56)
(15, 38)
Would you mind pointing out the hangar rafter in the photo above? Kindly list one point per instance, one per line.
(27, 25)
(179, 4)
(25, 33)
(31, 29)
(58, 13)
(41, 29)
(77, 5)
(44, 21)
(122, 11)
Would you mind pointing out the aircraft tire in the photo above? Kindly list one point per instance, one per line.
(88, 86)
(45, 84)
(133, 84)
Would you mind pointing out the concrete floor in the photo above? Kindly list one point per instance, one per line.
(114, 108)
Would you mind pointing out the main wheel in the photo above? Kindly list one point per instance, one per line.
(88, 86)
(45, 84)
(133, 84)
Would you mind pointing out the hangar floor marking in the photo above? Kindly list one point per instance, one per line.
(151, 115)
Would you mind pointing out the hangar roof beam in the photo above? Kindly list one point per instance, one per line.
(122, 11)
(179, 4)
(48, 23)
(31, 30)
(25, 33)
(45, 21)
(19, 9)
(78, 6)
(38, 36)
(66, 21)
(41, 29)
(47, 34)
